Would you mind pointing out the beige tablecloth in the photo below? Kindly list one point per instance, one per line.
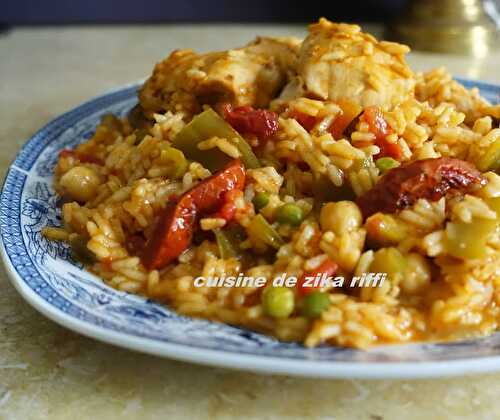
(47, 372)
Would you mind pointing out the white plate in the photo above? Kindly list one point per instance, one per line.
(60, 289)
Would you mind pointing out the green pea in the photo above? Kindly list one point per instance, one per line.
(315, 303)
(289, 214)
(260, 200)
(278, 302)
(386, 163)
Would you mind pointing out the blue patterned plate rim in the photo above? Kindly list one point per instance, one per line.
(46, 278)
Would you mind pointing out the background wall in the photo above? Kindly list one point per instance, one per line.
(26, 12)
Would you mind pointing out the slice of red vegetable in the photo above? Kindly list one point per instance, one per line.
(388, 149)
(378, 126)
(350, 110)
(247, 120)
(375, 119)
(82, 157)
(306, 121)
(172, 234)
(427, 178)
(135, 243)
(175, 225)
(327, 268)
(228, 209)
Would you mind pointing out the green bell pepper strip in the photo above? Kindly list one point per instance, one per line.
(228, 241)
(204, 126)
(260, 230)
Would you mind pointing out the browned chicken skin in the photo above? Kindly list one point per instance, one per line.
(337, 61)
(252, 75)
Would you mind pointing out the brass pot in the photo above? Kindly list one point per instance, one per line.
(454, 26)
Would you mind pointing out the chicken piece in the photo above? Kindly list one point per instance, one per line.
(252, 75)
(337, 61)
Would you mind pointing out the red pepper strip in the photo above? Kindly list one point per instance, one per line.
(245, 119)
(350, 110)
(327, 268)
(174, 229)
(228, 210)
(306, 121)
(378, 126)
(392, 150)
(172, 234)
(375, 119)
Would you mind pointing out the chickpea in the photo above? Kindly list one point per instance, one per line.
(80, 183)
(418, 274)
(340, 217)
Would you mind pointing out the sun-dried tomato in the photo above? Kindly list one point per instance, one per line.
(175, 225)
(379, 127)
(247, 120)
(427, 178)
(306, 121)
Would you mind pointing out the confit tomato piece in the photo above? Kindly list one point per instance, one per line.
(378, 126)
(306, 121)
(327, 267)
(350, 111)
(247, 120)
(375, 119)
(392, 150)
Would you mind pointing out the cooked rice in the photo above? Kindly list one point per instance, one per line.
(441, 297)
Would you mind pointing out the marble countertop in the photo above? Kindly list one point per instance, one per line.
(47, 372)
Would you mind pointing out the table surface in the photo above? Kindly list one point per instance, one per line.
(48, 372)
